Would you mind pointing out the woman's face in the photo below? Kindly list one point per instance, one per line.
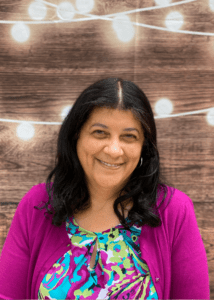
(112, 144)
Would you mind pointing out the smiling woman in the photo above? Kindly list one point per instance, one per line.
(111, 121)
(108, 158)
(110, 236)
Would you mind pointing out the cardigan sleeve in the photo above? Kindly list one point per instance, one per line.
(15, 256)
(190, 277)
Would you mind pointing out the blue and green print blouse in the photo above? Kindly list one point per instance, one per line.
(119, 271)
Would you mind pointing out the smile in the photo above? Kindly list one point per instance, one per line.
(109, 165)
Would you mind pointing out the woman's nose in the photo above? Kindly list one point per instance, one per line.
(115, 147)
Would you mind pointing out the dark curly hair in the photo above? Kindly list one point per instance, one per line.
(71, 194)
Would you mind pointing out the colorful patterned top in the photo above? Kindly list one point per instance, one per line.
(119, 271)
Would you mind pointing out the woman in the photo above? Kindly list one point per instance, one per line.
(117, 230)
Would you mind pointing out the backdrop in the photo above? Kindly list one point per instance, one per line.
(51, 51)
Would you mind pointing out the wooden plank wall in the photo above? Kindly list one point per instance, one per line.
(40, 77)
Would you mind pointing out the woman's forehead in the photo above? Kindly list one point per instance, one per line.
(100, 112)
(114, 117)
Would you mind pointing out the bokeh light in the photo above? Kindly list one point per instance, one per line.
(20, 32)
(210, 117)
(65, 11)
(174, 21)
(25, 131)
(163, 107)
(124, 28)
(212, 5)
(65, 112)
(84, 6)
(37, 10)
(162, 2)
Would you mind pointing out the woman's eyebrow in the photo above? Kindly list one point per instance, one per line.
(104, 126)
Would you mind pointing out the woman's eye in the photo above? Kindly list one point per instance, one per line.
(129, 135)
(98, 131)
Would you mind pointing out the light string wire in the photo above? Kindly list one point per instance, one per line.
(156, 117)
(94, 17)
(108, 18)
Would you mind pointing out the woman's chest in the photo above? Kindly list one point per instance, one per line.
(99, 221)
(96, 223)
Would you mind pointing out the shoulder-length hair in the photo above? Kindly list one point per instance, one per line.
(71, 194)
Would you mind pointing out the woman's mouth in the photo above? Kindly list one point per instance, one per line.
(110, 165)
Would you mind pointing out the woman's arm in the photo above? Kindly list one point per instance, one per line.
(14, 259)
(190, 278)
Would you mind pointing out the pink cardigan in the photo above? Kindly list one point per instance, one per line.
(174, 252)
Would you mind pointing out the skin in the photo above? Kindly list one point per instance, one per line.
(114, 146)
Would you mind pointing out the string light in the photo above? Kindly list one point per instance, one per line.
(65, 11)
(151, 8)
(25, 130)
(48, 3)
(162, 2)
(124, 28)
(196, 112)
(108, 17)
(174, 21)
(125, 31)
(37, 10)
(163, 107)
(210, 117)
(212, 5)
(20, 32)
(84, 6)
(65, 111)
(94, 17)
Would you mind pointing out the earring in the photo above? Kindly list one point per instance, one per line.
(141, 162)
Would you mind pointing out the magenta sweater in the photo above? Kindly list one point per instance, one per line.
(174, 252)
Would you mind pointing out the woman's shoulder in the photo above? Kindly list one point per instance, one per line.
(36, 194)
(176, 201)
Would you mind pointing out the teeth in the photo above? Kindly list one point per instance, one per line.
(108, 164)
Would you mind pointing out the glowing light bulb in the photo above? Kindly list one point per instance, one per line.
(65, 112)
(162, 2)
(37, 10)
(210, 117)
(84, 6)
(174, 21)
(65, 11)
(20, 32)
(212, 5)
(25, 131)
(123, 27)
(163, 107)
